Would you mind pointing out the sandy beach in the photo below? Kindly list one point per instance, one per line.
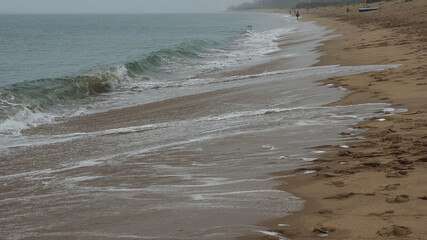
(260, 139)
(374, 188)
(181, 158)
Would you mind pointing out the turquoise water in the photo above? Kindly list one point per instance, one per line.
(52, 62)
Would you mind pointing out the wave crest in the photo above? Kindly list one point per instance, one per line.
(24, 102)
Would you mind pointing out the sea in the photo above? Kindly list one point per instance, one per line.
(162, 126)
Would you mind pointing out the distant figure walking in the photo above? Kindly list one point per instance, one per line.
(297, 15)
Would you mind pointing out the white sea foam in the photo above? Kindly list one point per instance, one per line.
(204, 183)
(309, 122)
(269, 147)
(26, 118)
(205, 196)
(114, 189)
(319, 152)
(309, 171)
(273, 234)
(309, 159)
(253, 113)
(28, 174)
(82, 178)
(203, 164)
(42, 140)
(252, 46)
(103, 235)
(389, 110)
(46, 173)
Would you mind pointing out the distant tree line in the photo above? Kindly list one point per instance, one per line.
(266, 4)
(325, 3)
(272, 4)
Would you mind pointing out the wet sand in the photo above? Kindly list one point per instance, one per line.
(194, 165)
(375, 188)
(97, 185)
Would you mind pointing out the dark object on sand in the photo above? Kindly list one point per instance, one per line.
(367, 9)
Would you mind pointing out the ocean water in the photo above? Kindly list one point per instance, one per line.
(55, 65)
(161, 126)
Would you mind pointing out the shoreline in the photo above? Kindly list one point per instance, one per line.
(142, 170)
(373, 189)
(212, 150)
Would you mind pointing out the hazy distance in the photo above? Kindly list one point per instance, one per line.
(116, 6)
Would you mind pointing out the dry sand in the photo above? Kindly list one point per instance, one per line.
(375, 188)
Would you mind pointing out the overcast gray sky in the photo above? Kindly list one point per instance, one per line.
(115, 6)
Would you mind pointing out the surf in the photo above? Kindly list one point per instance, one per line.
(33, 102)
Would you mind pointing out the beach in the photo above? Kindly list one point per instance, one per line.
(163, 138)
(372, 188)
(278, 129)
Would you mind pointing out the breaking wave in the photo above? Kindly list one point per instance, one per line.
(35, 102)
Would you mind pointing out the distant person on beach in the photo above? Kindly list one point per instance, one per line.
(297, 15)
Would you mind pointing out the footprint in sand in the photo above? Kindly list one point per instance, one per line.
(394, 230)
(338, 183)
(397, 174)
(392, 187)
(327, 175)
(323, 231)
(403, 161)
(372, 164)
(325, 211)
(398, 199)
(341, 196)
(384, 215)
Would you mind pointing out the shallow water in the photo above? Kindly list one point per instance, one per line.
(190, 158)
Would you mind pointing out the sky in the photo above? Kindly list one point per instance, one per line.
(116, 6)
